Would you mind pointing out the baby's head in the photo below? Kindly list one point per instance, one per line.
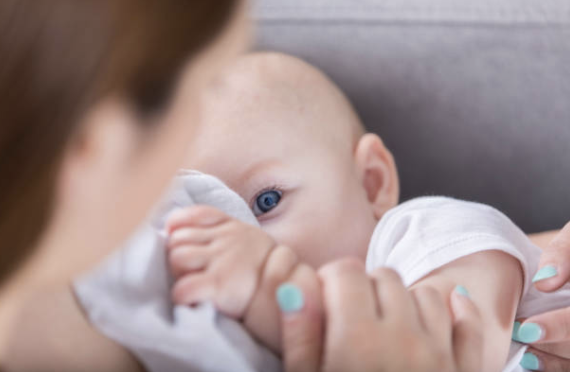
(282, 135)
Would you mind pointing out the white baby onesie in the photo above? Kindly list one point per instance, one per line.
(426, 233)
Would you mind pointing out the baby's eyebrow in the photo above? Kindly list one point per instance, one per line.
(257, 168)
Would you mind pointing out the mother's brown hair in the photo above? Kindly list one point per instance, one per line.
(57, 58)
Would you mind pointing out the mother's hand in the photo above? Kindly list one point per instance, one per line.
(554, 266)
(549, 333)
(374, 323)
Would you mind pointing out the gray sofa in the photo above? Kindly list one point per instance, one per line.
(473, 97)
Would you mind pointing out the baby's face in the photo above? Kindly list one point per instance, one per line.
(298, 179)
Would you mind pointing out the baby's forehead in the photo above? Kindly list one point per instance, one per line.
(268, 91)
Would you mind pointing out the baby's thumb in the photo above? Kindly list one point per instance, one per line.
(554, 267)
(467, 332)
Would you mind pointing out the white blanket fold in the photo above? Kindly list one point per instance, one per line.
(128, 297)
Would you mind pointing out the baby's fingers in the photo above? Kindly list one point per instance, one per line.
(193, 289)
(229, 292)
(190, 235)
(188, 259)
(196, 215)
(467, 332)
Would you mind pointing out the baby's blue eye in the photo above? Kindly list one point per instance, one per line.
(266, 201)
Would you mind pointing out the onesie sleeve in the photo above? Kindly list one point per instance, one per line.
(424, 234)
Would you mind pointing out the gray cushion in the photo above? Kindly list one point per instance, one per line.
(473, 97)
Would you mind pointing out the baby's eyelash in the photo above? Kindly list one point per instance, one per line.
(278, 188)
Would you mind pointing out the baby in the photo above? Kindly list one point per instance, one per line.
(285, 138)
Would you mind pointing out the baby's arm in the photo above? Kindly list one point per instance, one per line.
(494, 281)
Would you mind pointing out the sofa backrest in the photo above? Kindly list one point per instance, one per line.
(472, 97)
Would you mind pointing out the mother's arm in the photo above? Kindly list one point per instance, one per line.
(52, 334)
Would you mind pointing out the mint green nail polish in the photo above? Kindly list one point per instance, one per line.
(290, 298)
(515, 334)
(530, 361)
(529, 333)
(462, 290)
(545, 273)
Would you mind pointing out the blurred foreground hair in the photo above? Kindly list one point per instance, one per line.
(59, 57)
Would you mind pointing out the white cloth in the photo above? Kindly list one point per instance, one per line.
(127, 297)
(424, 234)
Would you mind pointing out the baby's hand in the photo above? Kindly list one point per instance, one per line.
(215, 258)
(236, 266)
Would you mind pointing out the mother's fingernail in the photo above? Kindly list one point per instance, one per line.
(515, 334)
(529, 333)
(462, 290)
(530, 361)
(545, 273)
(290, 298)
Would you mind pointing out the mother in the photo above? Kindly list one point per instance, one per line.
(98, 101)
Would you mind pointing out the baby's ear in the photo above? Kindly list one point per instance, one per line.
(377, 171)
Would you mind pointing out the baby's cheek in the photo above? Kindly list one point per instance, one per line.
(321, 245)
(301, 236)
(321, 228)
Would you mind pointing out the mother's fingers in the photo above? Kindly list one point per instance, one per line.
(302, 321)
(547, 327)
(467, 332)
(555, 263)
(348, 290)
(536, 360)
(393, 298)
(559, 349)
(434, 315)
